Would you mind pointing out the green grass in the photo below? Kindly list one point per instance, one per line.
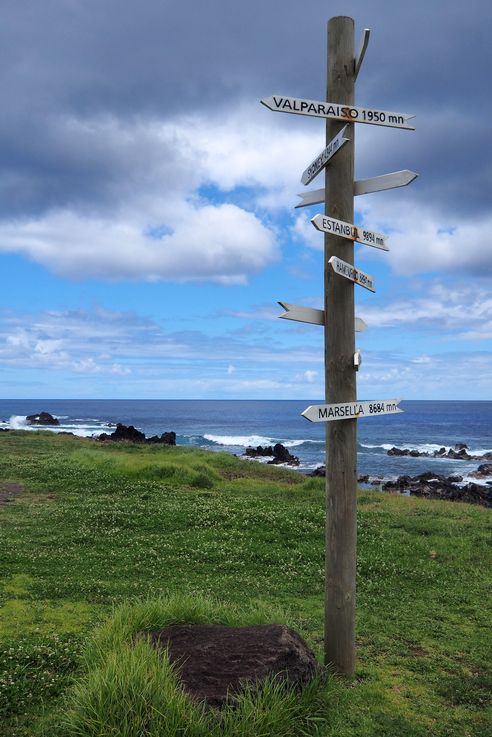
(129, 689)
(99, 525)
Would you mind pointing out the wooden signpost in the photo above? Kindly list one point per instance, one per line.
(342, 409)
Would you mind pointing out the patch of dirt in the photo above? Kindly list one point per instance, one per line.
(9, 490)
(418, 652)
(214, 661)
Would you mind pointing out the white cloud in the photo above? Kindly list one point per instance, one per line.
(456, 307)
(310, 376)
(220, 243)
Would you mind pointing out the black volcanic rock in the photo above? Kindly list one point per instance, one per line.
(43, 418)
(132, 435)
(167, 438)
(435, 486)
(458, 453)
(279, 452)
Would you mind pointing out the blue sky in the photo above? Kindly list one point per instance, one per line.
(147, 226)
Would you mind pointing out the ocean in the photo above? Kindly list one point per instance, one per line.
(232, 425)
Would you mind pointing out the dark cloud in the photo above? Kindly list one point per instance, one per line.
(134, 61)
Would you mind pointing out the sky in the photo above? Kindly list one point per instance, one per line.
(147, 219)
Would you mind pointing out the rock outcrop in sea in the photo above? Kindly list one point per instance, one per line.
(42, 418)
(458, 453)
(279, 454)
(132, 435)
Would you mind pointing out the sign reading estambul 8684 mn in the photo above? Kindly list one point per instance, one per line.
(347, 113)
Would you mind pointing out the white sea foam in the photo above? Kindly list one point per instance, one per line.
(426, 448)
(239, 440)
(245, 441)
(473, 480)
(18, 422)
(88, 429)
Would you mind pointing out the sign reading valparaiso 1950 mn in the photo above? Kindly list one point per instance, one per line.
(351, 273)
(351, 232)
(347, 113)
(351, 410)
(323, 158)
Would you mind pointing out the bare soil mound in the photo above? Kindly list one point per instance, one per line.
(215, 661)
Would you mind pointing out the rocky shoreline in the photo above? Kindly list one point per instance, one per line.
(427, 485)
(431, 485)
(458, 453)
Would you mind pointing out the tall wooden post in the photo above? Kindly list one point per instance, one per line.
(340, 376)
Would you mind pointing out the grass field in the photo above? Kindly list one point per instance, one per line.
(96, 525)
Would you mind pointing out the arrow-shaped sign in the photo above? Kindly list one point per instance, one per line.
(351, 410)
(385, 181)
(351, 232)
(363, 186)
(312, 316)
(336, 111)
(323, 158)
(351, 273)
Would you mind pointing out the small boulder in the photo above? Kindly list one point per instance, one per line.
(485, 469)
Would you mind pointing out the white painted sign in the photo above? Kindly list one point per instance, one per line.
(351, 273)
(312, 316)
(385, 181)
(363, 186)
(351, 232)
(323, 158)
(336, 111)
(351, 410)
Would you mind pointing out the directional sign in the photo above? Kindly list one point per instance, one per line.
(320, 161)
(351, 273)
(351, 232)
(351, 410)
(314, 317)
(335, 110)
(363, 186)
(385, 181)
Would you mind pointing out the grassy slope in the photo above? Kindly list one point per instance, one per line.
(98, 524)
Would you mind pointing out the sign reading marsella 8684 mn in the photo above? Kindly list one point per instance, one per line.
(351, 410)
(351, 232)
(347, 113)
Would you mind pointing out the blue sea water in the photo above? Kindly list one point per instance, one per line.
(232, 425)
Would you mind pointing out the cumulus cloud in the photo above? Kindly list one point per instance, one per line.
(220, 243)
(459, 308)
